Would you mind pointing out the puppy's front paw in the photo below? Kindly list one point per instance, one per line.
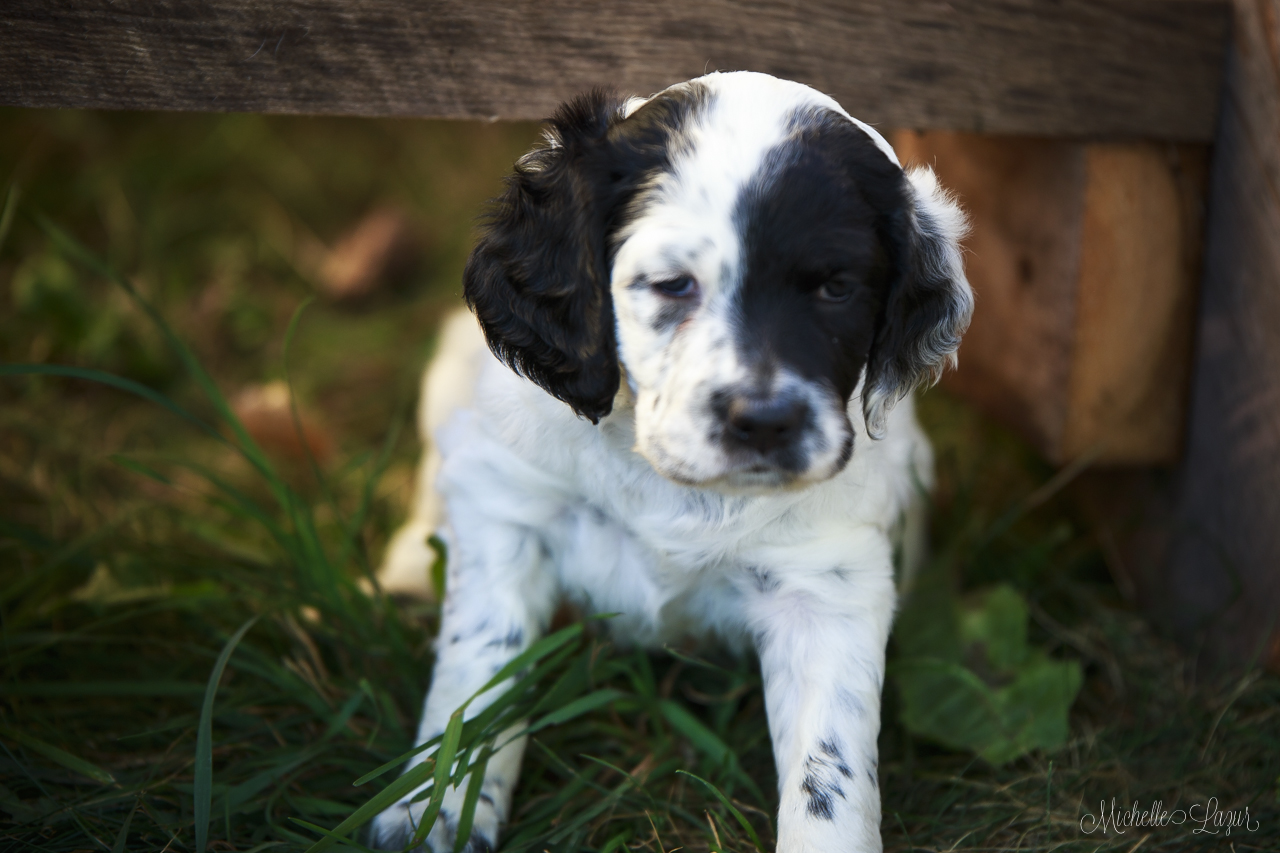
(395, 827)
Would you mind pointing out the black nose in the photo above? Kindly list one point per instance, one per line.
(765, 424)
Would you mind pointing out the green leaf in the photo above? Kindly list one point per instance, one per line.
(947, 703)
(999, 623)
(204, 740)
(58, 756)
(1035, 706)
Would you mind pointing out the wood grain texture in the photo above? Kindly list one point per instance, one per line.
(1140, 257)
(1092, 68)
(1084, 260)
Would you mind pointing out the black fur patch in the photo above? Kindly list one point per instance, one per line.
(832, 750)
(821, 213)
(538, 279)
(819, 792)
(763, 579)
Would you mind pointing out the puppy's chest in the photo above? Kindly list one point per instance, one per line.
(667, 575)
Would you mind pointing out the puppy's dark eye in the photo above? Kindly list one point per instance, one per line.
(835, 291)
(680, 286)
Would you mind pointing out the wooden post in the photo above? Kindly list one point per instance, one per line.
(1220, 583)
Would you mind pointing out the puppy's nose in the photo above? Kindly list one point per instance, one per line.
(765, 424)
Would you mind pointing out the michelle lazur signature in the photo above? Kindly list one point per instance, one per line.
(1203, 818)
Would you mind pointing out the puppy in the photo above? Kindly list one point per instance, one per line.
(701, 308)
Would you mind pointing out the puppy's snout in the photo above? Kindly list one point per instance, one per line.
(765, 424)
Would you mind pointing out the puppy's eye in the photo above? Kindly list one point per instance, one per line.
(680, 286)
(835, 291)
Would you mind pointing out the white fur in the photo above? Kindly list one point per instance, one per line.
(644, 516)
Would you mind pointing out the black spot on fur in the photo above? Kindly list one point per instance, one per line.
(763, 580)
(538, 279)
(832, 750)
(872, 777)
(820, 793)
(485, 798)
(513, 640)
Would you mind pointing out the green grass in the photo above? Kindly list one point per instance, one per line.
(188, 650)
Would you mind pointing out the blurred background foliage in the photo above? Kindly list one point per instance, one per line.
(133, 546)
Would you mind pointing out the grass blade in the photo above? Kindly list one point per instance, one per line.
(412, 778)
(204, 740)
(531, 655)
(110, 379)
(576, 708)
(444, 769)
(393, 763)
(331, 835)
(122, 838)
(467, 818)
(733, 810)
(60, 756)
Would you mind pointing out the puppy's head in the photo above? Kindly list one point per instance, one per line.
(743, 252)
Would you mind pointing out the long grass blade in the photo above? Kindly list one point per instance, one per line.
(577, 708)
(733, 810)
(59, 756)
(204, 740)
(531, 655)
(332, 836)
(109, 379)
(444, 769)
(122, 837)
(412, 778)
(466, 819)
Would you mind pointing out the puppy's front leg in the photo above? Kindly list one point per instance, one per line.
(821, 637)
(498, 599)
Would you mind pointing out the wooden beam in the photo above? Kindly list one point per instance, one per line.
(1088, 68)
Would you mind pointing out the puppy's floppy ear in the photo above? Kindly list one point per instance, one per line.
(929, 302)
(538, 279)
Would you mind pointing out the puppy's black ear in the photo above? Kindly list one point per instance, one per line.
(538, 279)
(929, 302)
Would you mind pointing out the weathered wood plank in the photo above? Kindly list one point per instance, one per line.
(1092, 68)
(1221, 584)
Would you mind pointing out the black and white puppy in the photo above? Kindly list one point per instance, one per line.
(702, 305)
